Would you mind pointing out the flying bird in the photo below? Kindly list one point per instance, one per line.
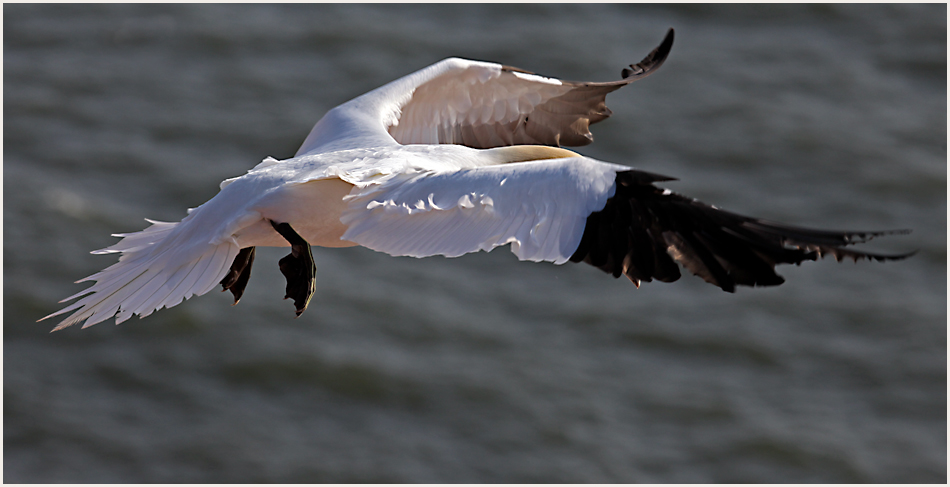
(458, 157)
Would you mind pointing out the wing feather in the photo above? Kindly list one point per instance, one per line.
(477, 104)
(539, 207)
(642, 230)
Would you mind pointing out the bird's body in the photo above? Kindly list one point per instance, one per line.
(458, 157)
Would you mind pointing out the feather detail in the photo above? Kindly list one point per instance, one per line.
(152, 273)
(537, 206)
(643, 229)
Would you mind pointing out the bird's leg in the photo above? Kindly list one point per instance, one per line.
(297, 267)
(236, 279)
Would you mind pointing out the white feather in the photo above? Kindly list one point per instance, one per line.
(411, 108)
(537, 200)
(161, 265)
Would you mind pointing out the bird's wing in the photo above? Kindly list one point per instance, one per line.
(540, 207)
(477, 104)
(642, 230)
(583, 210)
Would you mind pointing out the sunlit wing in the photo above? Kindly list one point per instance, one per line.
(480, 105)
(539, 207)
(582, 210)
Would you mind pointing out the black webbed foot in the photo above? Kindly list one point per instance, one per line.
(297, 267)
(236, 279)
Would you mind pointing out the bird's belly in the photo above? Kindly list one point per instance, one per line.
(313, 209)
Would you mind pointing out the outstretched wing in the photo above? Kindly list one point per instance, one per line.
(477, 104)
(643, 231)
(583, 210)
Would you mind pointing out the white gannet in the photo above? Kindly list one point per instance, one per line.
(458, 157)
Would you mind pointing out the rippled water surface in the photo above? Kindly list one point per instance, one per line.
(481, 368)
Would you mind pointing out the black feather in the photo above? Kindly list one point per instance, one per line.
(643, 231)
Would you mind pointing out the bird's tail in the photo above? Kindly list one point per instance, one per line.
(159, 267)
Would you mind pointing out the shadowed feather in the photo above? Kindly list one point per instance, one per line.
(643, 229)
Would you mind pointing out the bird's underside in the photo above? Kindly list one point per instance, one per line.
(458, 157)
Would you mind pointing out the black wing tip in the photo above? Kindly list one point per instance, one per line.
(905, 255)
(664, 48)
(636, 176)
(900, 231)
(862, 237)
(652, 61)
(643, 233)
(840, 254)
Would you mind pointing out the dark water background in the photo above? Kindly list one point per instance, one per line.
(481, 368)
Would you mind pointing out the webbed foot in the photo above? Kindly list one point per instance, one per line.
(297, 267)
(236, 279)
